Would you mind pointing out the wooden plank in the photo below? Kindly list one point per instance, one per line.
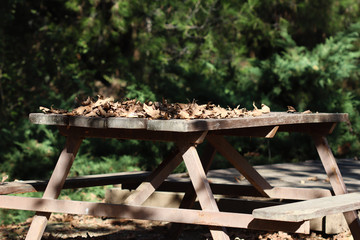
(172, 185)
(271, 119)
(185, 125)
(336, 180)
(174, 200)
(309, 209)
(131, 180)
(236, 190)
(136, 134)
(266, 132)
(16, 187)
(323, 128)
(201, 186)
(75, 182)
(55, 185)
(49, 119)
(210, 218)
(38, 225)
(155, 179)
(240, 163)
(329, 162)
(88, 122)
(297, 193)
(117, 195)
(190, 195)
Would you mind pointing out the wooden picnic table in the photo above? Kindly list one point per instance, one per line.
(187, 134)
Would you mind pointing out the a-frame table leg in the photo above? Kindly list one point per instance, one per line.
(190, 195)
(201, 186)
(240, 163)
(145, 189)
(336, 180)
(55, 185)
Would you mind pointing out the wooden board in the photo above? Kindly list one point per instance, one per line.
(182, 125)
(271, 119)
(188, 216)
(75, 182)
(309, 209)
(88, 122)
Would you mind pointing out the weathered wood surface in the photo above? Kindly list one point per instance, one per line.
(271, 119)
(146, 188)
(173, 184)
(75, 182)
(88, 122)
(202, 187)
(240, 163)
(309, 209)
(202, 217)
(181, 125)
(336, 180)
(54, 186)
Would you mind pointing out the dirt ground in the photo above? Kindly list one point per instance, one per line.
(85, 227)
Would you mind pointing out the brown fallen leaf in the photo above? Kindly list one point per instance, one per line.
(102, 111)
(220, 112)
(264, 108)
(52, 110)
(255, 108)
(195, 110)
(291, 109)
(101, 101)
(4, 178)
(44, 109)
(256, 112)
(82, 110)
(183, 114)
(314, 178)
(239, 178)
(91, 114)
(132, 108)
(88, 101)
(152, 112)
(306, 112)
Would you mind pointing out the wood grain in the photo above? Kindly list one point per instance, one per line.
(309, 209)
(181, 125)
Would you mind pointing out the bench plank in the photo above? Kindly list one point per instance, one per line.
(309, 209)
(75, 182)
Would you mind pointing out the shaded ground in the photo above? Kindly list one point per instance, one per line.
(85, 227)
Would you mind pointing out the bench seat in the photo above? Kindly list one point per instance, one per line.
(309, 209)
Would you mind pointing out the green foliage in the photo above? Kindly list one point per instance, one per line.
(319, 79)
(30, 144)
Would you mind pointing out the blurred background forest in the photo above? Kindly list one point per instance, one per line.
(281, 52)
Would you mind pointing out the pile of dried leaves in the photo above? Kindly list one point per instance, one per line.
(107, 107)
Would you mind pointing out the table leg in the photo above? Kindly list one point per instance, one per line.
(145, 189)
(240, 163)
(190, 195)
(336, 180)
(55, 185)
(201, 186)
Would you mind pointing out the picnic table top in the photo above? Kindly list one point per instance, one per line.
(188, 125)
